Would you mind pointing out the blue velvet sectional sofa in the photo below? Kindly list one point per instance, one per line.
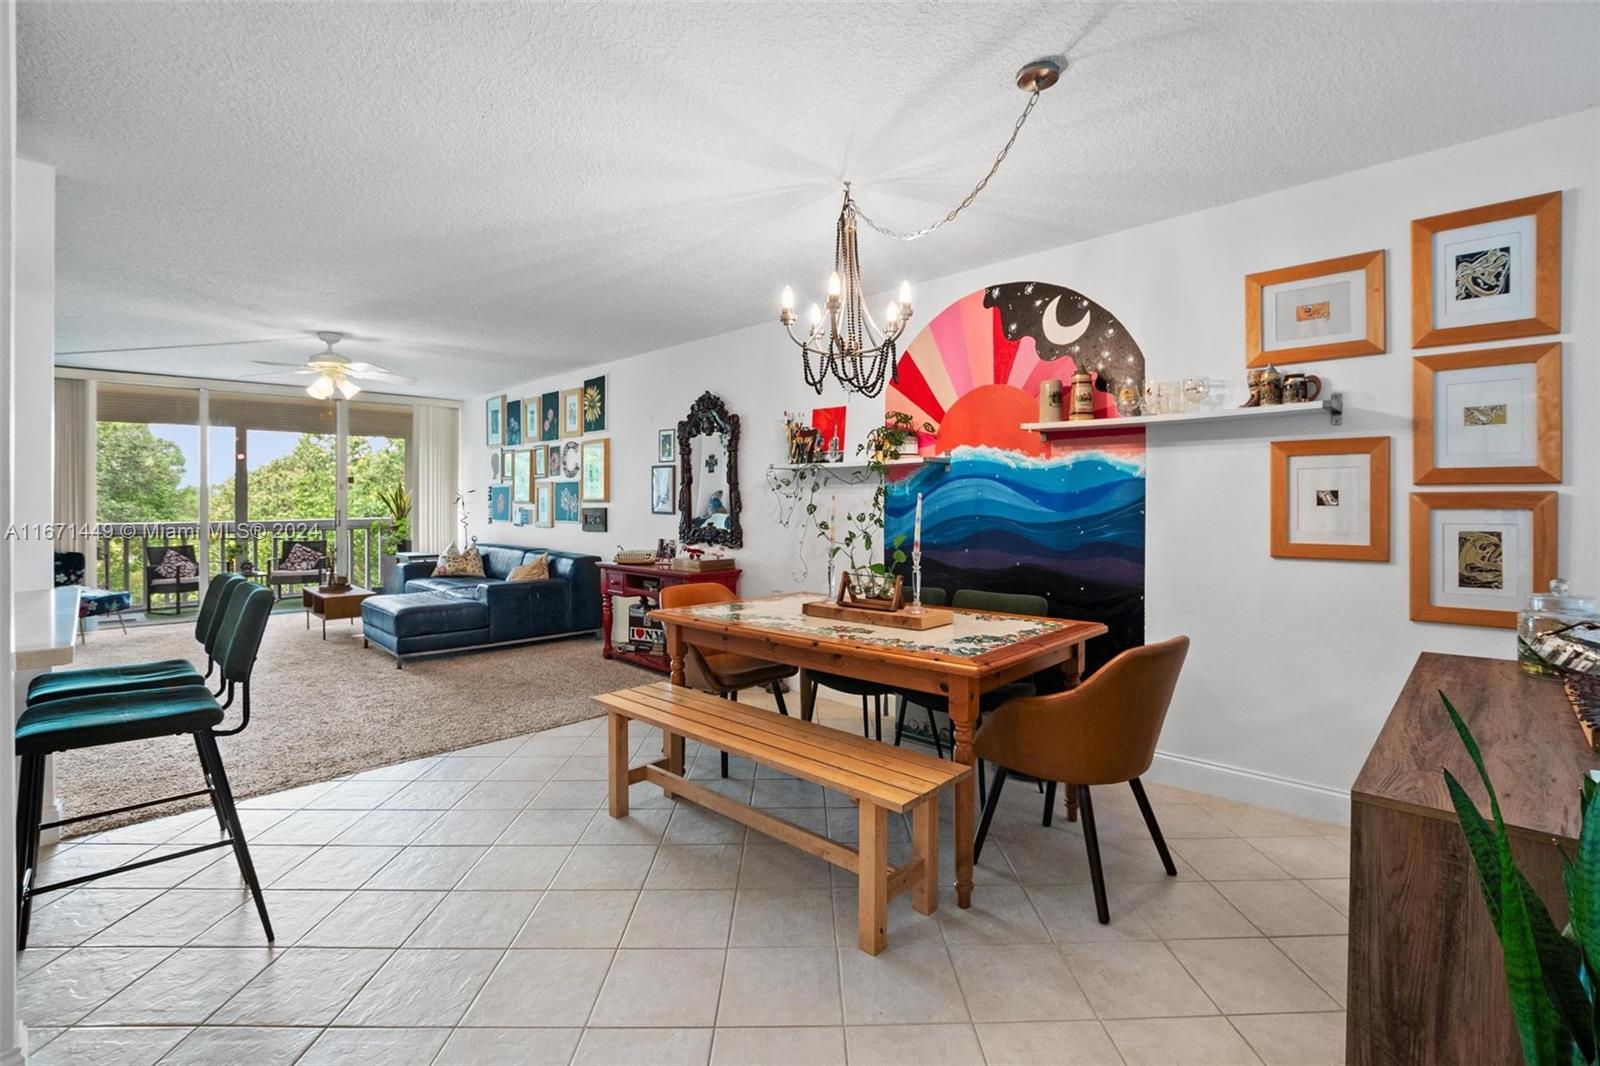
(441, 615)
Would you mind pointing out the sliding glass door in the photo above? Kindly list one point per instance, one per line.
(285, 485)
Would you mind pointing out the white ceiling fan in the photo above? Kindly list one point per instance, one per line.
(332, 372)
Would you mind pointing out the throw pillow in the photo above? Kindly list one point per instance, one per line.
(455, 563)
(535, 569)
(301, 557)
(176, 565)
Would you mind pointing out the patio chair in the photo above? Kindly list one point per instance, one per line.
(169, 570)
(299, 562)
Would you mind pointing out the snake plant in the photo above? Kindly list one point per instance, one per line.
(1550, 975)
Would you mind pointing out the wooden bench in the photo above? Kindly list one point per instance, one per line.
(877, 777)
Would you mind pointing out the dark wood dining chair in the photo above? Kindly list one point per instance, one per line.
(878, 695)
(721, 672)
(1103, 732)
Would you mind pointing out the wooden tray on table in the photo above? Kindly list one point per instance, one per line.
(891, 612)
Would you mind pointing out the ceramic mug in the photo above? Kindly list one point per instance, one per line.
(1301, 388)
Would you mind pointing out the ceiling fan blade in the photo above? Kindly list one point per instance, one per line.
(276, 362)
(383, 376)
(303, 372)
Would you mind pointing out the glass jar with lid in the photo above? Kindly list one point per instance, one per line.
(1546, 611)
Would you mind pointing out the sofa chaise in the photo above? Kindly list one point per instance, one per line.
(442, 615)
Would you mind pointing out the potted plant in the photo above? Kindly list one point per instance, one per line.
(860, 531)
(396, 499)
(1550, 974)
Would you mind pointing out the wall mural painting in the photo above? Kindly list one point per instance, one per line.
(1011, 513)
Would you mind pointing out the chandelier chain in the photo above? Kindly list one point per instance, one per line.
(1033, 98)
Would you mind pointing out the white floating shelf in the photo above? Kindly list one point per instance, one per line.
(914, 460)
(1333, 406)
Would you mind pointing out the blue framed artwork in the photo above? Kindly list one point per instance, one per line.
(499, 503)
(513, 423)
(567, 509)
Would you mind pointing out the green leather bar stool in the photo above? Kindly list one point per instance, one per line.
(161, 673)
(142, 714)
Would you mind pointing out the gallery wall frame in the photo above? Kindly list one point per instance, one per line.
(571, 413)
(494, 414)
(1491, 416)
(522, 477)
(596, 470)
(544, 506)
(663, 489)
(1487, 273)
(1476, 556)
(1330, 499)
(1330, 309)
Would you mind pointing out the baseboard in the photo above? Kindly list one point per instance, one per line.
(1252, 786)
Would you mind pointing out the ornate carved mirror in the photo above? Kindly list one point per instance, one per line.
(708, 475)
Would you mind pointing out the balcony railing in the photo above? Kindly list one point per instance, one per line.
(248, 547)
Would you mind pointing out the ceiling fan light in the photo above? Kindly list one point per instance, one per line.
(321, 388)
(348, 388)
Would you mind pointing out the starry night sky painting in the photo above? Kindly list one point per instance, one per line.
(1011, 513)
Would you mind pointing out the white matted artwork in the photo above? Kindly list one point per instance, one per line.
(1487, 416)
(1487, 273)
(1325, 310)
(1476, 556)
(1330, 499)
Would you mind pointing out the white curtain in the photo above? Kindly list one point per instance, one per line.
(75, 465)
(435, 438)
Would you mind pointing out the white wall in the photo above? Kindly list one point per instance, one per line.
(34, 429)
(1295, 663)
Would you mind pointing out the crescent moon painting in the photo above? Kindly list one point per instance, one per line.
(1009, 512)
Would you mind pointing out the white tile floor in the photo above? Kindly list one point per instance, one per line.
(482, 907)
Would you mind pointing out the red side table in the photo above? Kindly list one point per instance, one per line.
(646, 582)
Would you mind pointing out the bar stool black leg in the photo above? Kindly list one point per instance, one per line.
(933, 727)
(983, 786)
(222, 822)
(777, 694)
(900, 721)
(988, 811)
(211, 758)
(1153, 826)
(877, 718)
(1091, 840)
(864, 724)
(30, 811)
(1049, 802)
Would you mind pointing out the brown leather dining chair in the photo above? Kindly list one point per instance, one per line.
(723, 672)
(1102, 732)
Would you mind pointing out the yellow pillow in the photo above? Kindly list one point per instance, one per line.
(535, 569)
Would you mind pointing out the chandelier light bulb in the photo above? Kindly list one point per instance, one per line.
(905, 295)
(891, 316)
(786, 301)
(835, 289)
(816, 317)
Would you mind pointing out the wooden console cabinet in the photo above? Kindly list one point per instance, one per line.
(1426, 982)
(646, 582)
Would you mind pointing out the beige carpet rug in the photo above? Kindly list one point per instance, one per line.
(320, 709)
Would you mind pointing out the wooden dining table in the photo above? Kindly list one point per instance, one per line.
(978, 652)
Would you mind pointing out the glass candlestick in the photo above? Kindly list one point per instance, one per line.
(916, 583)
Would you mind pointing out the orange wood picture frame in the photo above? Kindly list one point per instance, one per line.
(1546, 359)
(1542, 505)
(1546, 318)
(1256, 284)
(1377, 451)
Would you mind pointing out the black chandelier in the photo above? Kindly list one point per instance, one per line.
(853, 348)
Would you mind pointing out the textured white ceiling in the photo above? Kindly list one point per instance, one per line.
(480, 193)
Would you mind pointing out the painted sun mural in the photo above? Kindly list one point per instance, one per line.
(1011, 513)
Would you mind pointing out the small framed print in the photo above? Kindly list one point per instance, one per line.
(544, 508)
(594, 519)
(663, 489)
(571, 412)
(521, 477)
(1487, 417)
(522, 517)
(1331, 309)
(1476, 556)
(550, 416)
(513, 423)
(567, 510)
(596, 480)
(594, 405)
(666, 446)
(1487, 274)
(571, 460)
(1330, 499)
(499, 503)
(541, 461)
(494, 414)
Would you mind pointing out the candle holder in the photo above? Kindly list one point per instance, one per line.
(829, 588)
(916, 584)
